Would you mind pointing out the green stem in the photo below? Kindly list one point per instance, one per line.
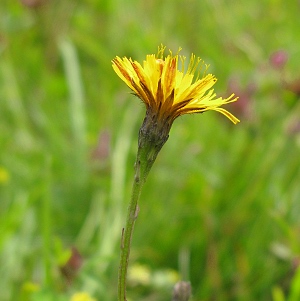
(142, 167)
(127, 234)
(151, 140)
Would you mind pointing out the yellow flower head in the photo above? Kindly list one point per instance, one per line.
(4, 175)
(82, 296)
(168, 92)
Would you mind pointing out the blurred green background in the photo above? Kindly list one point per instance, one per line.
(221, 205)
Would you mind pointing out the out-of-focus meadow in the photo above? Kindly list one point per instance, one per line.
(221, 207)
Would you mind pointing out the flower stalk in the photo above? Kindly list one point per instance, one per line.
(151, 139)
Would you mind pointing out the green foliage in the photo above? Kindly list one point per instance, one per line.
(221, 205)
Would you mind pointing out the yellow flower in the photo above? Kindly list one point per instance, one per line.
(4, 175)
(168, 92)
(30, 287)
(82, 296)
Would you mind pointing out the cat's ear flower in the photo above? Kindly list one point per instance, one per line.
(169, 92)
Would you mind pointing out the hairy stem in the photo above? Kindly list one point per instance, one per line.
(127, 233)
(151, 140)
